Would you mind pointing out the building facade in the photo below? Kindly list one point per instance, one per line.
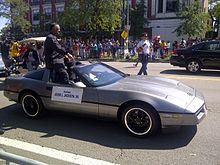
(43, 12)
(160, 14)
(162, 18)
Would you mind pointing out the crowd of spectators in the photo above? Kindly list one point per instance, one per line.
(92, 48)
(87, 49)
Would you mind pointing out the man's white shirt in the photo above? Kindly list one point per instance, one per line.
(145, 44)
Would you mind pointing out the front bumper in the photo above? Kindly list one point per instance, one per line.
(195, 112)
(176, 119)
(196, 118)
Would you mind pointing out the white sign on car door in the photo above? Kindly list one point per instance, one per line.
(65, 94)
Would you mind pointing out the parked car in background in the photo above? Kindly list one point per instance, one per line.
(205, 55)
(8, 66)
(33, 40)
(3, 69)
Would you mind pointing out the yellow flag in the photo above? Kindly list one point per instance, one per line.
(124, 34)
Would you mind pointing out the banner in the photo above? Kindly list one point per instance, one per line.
(65, 94)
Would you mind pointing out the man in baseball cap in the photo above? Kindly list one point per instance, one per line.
(143, 49)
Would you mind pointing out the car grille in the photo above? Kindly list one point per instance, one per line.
(201, 111)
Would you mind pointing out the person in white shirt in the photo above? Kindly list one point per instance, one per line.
(143, 48)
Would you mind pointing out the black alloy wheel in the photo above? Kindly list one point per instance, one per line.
(141, 121)
(32, 105)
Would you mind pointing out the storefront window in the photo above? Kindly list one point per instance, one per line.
(35, 15)
(172, 6)
(160, 6)
(47, 1)
(35, 2)
(47, 12)
(59, 10)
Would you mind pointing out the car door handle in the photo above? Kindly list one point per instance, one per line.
(49, 88)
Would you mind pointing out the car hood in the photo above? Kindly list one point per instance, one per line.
(169, 89)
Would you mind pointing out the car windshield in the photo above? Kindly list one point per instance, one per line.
(100, 74)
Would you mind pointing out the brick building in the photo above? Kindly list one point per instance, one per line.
(42, 13)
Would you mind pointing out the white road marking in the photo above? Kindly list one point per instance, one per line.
(53, 153)
(191, 78)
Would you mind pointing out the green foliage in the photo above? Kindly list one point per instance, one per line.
(194, 22)
(15, 11)
(213, 1)
(91, 15)
(216, 11)
(69, 18)
(138, 20)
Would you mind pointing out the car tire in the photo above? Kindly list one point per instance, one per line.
(140, 120)
(193, 66)
(32, 105)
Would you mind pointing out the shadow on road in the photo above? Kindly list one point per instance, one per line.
(130, 67)
(106, 133)
(212, 73)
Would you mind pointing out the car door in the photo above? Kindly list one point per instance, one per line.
(208, 54)
(216, 55)
(72, 98)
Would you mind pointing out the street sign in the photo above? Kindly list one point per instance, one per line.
(124, 34)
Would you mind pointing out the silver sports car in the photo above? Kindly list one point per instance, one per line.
(143, 104)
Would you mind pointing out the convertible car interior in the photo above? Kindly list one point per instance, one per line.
(49, 75)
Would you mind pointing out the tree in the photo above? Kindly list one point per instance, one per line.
(194, 21)
(215, 13)
(213, 1)
(138, 19)
(70, 17)
(216, 10)
(15, 11)
(91, 15)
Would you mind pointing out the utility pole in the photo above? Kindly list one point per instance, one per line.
(218, 28)
(122, 23)
(127, 28)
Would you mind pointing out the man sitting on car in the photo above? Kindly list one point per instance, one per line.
(55, 54)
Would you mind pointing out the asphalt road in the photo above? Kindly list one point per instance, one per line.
(85, 139)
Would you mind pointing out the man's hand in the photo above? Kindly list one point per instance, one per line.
(139, 50)
(69, 57)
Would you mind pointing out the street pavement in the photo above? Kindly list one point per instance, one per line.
(79, 140)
